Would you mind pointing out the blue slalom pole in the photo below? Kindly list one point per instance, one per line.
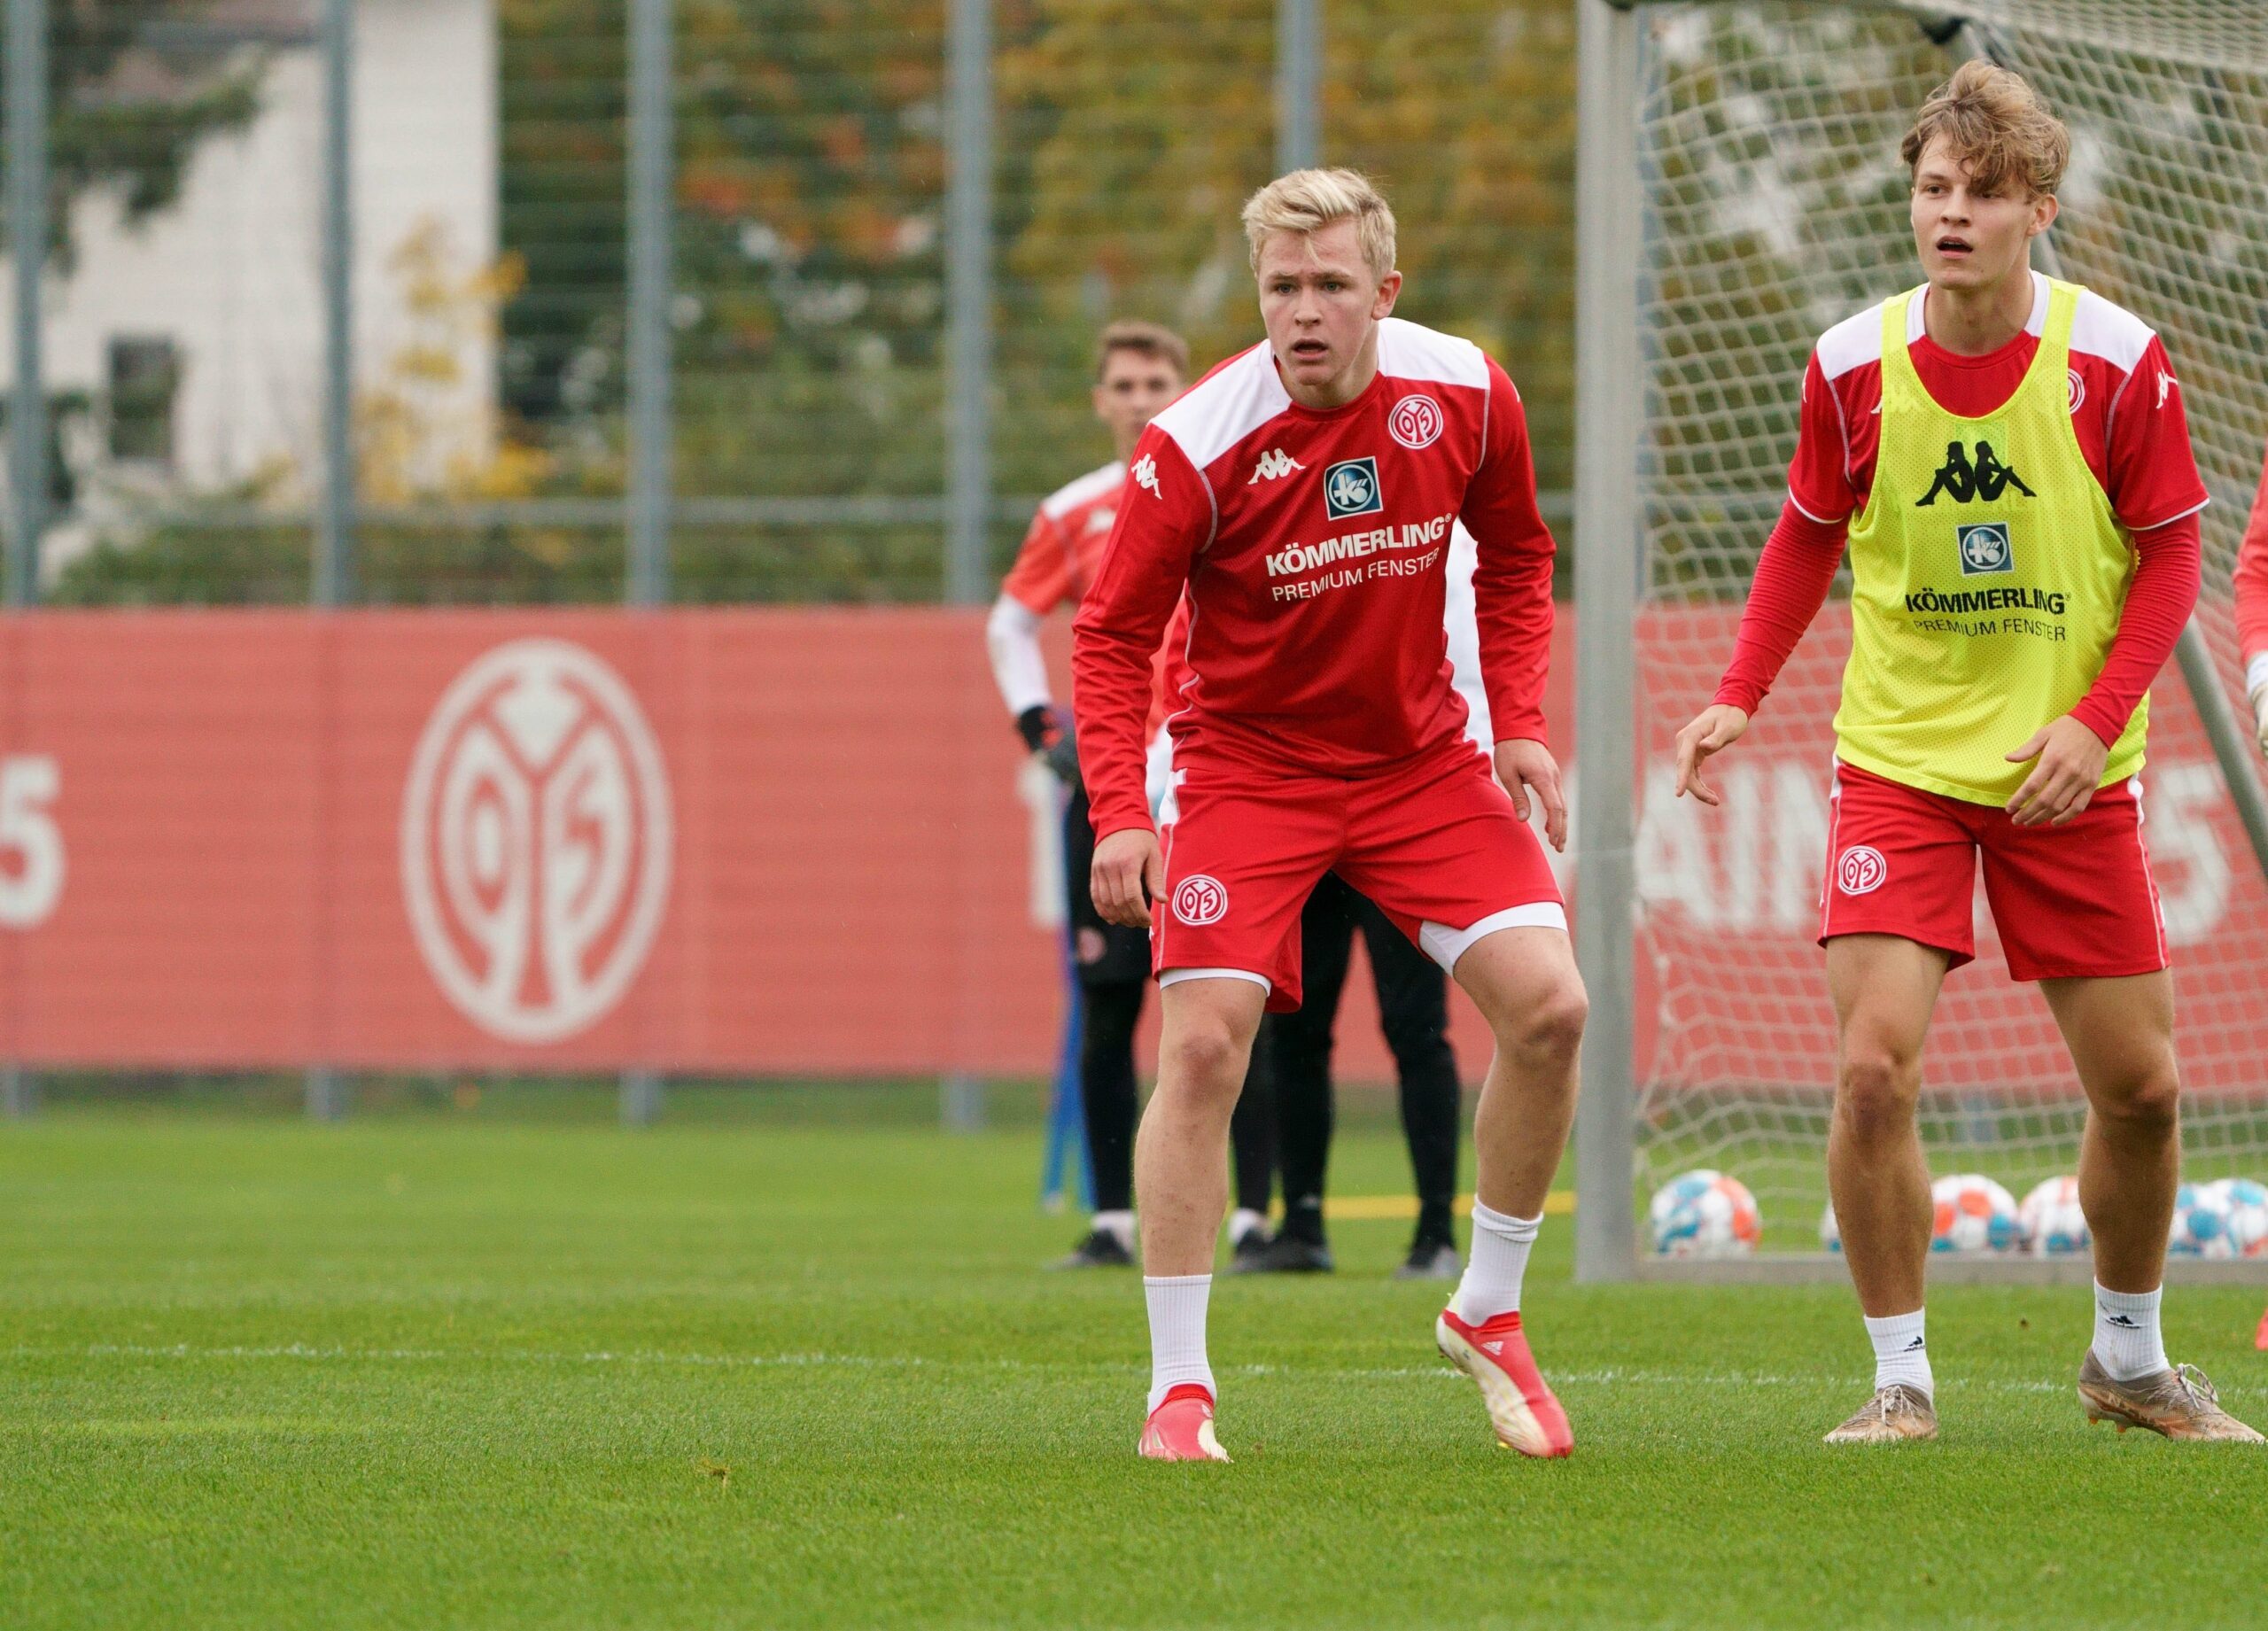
(1067, 1119)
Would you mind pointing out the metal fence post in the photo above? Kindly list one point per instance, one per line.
(326, 1092)
(968, 366)
(1299, 79)
(27, 231)
(646, 581)
(28, 471)
(1608, 523)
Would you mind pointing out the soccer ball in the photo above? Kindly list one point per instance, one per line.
(2247, 1217)
(2050, 1218)
(2202, 1215)
(1704, 1214)
(1972, 1214)
(1830, 1232)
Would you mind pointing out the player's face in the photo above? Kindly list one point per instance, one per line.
(1968, 237)
(1321, 307)
(1133, 389)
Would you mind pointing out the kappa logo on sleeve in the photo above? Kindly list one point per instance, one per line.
(1350, 487)
(1146, 475)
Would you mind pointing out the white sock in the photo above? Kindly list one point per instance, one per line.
(1118, 1225)
(1242, 1221)
(1902, 1352)
(2126, 1336)
(1177, 1331)
(1491, 1284)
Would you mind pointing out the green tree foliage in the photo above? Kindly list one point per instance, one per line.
(133, 86)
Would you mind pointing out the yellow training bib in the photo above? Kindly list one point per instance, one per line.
(1989, 573)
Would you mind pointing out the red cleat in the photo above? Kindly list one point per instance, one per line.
(1521, 1408)
(1181, 1428)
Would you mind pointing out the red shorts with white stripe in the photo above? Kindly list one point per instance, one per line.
(2071, 902)
(1434, 843)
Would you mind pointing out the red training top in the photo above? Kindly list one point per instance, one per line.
(2252, 584)
(2126, 412)
(1313, 549)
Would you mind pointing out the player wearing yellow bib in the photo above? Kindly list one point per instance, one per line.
(2010, 458)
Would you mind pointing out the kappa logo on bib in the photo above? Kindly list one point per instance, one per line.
(1984, 549)
(1987, 478)
(1351, 488)
(1198, 900)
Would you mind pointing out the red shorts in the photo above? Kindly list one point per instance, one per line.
(2072, 902)
(1434, 843)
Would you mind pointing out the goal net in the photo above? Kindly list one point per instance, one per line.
(1774, 205)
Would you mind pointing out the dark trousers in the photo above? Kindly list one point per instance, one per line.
(1413, 1008)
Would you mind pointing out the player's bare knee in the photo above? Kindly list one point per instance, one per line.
(1875, 1094)
(1548, 1027)
(2149, 1105)
(1203, 1055)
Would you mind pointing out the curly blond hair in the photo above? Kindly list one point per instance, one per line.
(1996, 123)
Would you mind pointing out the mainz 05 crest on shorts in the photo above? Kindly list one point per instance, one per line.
(535, 841)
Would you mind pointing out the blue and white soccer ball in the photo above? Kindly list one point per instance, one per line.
(2247, 1218)
(1830, 1232)
(1970, 1213)
(2053, 1225)
(2202, 1215)
(1704, 1214)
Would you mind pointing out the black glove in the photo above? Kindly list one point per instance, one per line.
(1048, 733)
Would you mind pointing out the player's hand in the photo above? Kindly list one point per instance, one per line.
(2070, 759)
(1717, 727)
(1128, 875)
(1522, 765)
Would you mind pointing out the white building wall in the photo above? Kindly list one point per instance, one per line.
(231, 272)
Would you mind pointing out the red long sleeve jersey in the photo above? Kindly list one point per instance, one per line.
(1312, 546)
(2252, 589)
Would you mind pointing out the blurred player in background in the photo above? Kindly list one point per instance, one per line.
(1301, 496)
(1413, 1012)
(1139, 369)
(2010, 461)
(2252, 615)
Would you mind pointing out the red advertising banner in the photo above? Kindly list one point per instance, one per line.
(775, 842)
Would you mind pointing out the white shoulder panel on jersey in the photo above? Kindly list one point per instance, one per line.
(1850, 343)
(1091, 485)
(1228, 404)
(1411, 350)
(2111, 332)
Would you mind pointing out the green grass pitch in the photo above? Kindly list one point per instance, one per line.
(437, 1370)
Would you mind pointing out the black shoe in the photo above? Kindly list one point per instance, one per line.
(1430, 1260)
(1286, 1255)
(1101, 1249)
(1247, 1250)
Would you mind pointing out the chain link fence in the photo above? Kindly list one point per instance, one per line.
(178, 336)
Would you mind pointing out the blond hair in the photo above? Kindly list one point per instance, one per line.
(1144, 339)
(1995, 122)
(1305, 201)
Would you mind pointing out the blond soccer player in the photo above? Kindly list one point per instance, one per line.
(2008, 460)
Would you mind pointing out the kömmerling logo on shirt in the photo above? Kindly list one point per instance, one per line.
(1987, 478)
(1350, 487)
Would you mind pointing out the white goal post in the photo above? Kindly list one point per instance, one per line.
(1740, 191)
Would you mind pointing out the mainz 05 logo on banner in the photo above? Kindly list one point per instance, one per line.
(535, 841)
